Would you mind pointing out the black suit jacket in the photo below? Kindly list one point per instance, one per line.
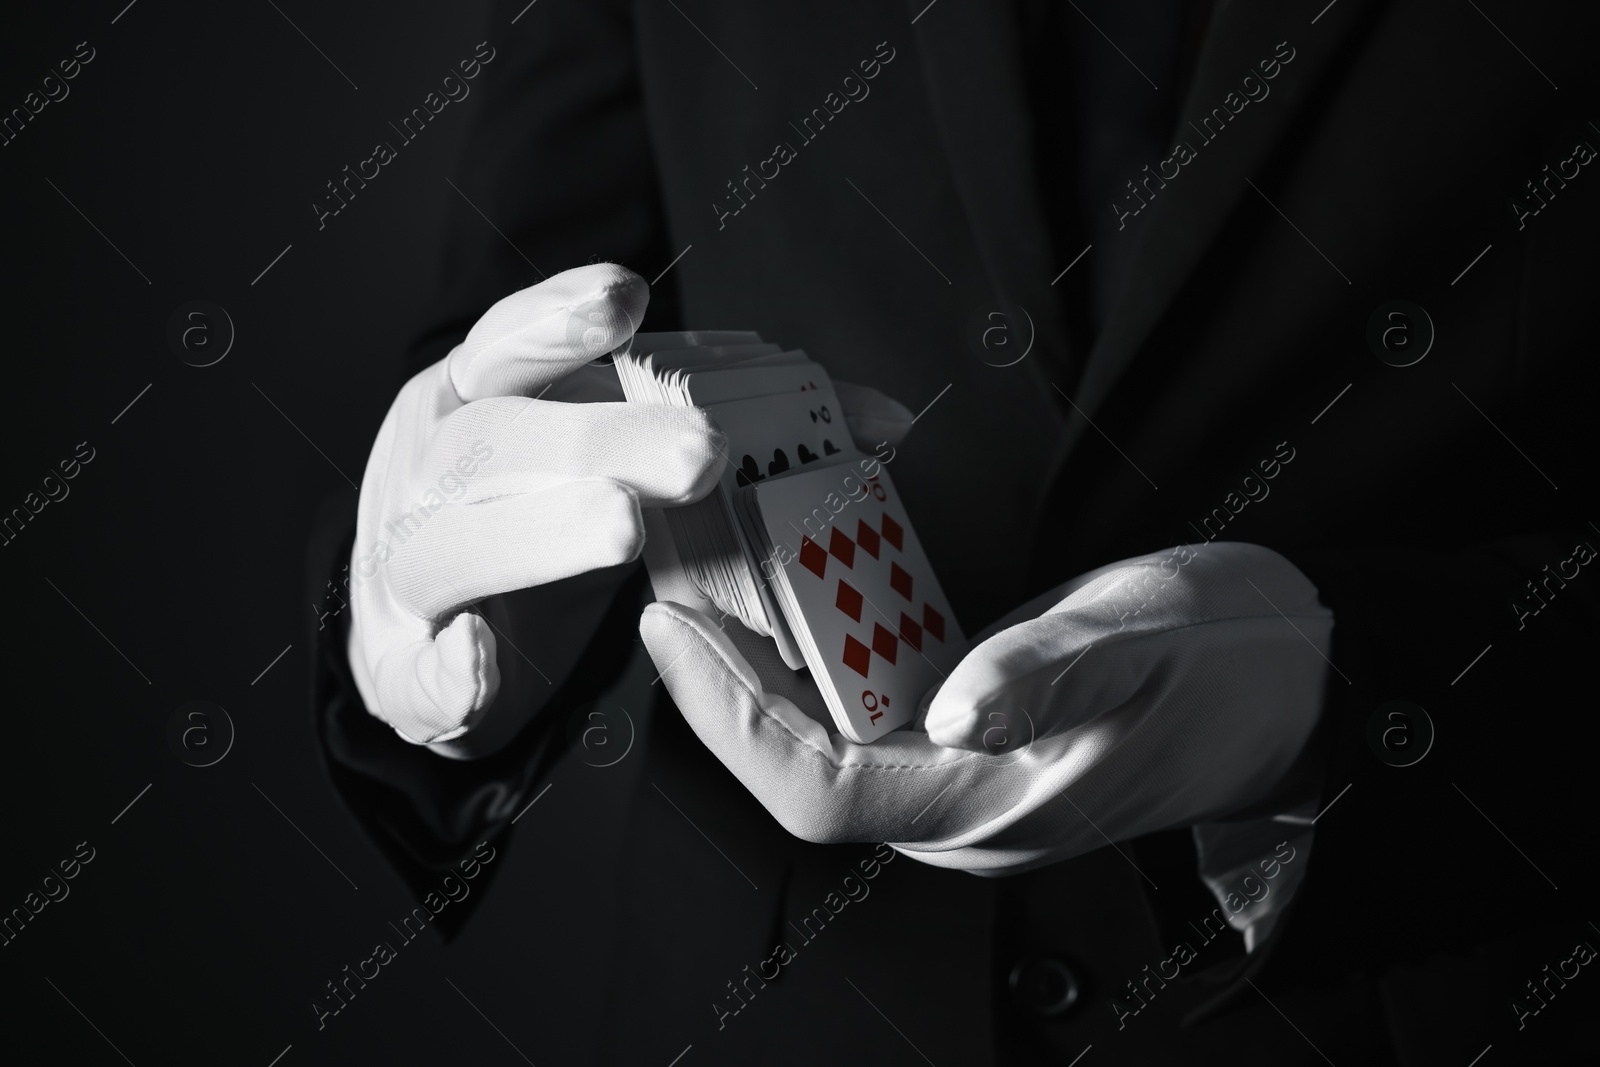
(879, 223)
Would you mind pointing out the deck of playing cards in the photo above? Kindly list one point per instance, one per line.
(804, 540)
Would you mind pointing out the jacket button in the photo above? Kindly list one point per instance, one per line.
(1045, 986)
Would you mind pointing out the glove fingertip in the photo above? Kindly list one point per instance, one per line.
(466, 649)
(540, 334)
(950, 727)
(436, 690)
(701, 450)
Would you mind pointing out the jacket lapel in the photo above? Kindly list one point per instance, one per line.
(971, 57)
(1186, 217)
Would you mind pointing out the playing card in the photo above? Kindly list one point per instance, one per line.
(767, 437)
(771, 435)
(652, 376)
(861, 597)
(803, 539)
(752, 378)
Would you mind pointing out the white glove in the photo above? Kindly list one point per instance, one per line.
(1162, 691)
(474, 489)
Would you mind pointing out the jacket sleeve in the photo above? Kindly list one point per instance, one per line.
(424, 812)
(1457, 843)
(556, 173)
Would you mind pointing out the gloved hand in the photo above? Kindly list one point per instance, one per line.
(1162, 691)
(490, 474)
(513, 463)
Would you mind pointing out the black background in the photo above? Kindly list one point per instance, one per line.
(196, 141)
